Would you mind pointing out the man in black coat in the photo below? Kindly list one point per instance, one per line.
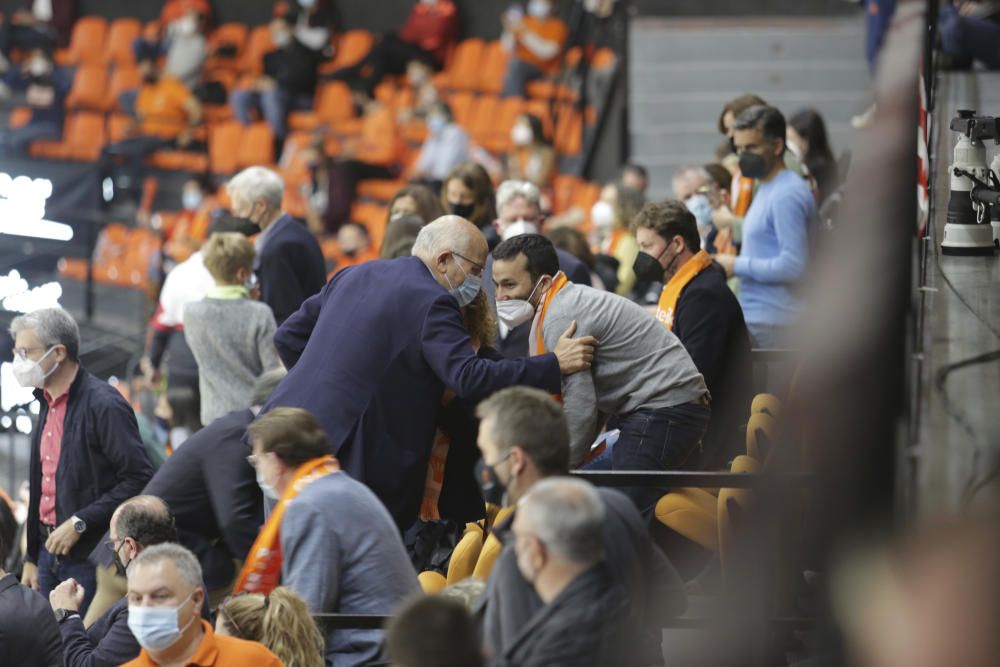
(29, 636)
(289, 264)
(86, 454)
(701, 310)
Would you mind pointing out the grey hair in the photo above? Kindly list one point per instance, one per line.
(467, 591)
(257, 183)
(511, 190)
(689, 171)
(265, 385)
(52, 326)
(187, 565)
(437, 237)
(567, 515)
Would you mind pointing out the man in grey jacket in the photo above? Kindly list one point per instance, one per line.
(642, 382)
(340, 549)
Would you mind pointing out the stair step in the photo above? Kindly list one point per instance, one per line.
(658, 110)
(762, 81)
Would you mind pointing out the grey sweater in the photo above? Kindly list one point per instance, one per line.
(342, 553)
(233, 343)
(638, 364)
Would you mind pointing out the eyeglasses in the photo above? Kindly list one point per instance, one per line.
(499, 460)
(23, 352)
(252, 460)
(477, 269)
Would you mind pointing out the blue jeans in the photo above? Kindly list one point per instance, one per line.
(767, 336)
(18, 140)
(52, 570)
(517, 76)
(877, 26)
(968, 37)
(660, 439)
(274, 106)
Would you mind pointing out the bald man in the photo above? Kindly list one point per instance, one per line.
(371, 355)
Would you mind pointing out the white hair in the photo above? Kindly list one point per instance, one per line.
(187, 565)
(442, 235)
(511, 190)
(567, 515)
(257, 183)
(691, 172)
(52, 326)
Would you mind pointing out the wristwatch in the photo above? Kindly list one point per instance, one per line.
(63, 614)
(79, 525)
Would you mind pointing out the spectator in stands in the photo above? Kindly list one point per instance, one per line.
(969, 31)
(29, 636)
(701, 310)
(288, 81)
(353, 246)
(400, 235)
(45, 92)
(433, 631)
(572, 240)
(88, 434)
(190, 228)
(519, 209)
(213, 493)
(375, 153)
(138, 523)
(524, 439)
(179, 412)
(807, 138)
(313, 20)
(611, 217)
(643, 380)
(165, 597)
(535, 42)
(427, 35)
(636, 177)
(774, 253)
(36, 25)
(321, 555)
(468, 193)
(691, 186)
(289, 263)
(415, 200)
(446, 147)
(558, 533)
(229, 358)
(280, 621)
(187, 49)
(532, 158)
(405, 344)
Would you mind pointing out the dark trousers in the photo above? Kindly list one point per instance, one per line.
(390, 56)
(18, 140)
(52, 570)
(24, 38)
(969, 38)
(656, 439)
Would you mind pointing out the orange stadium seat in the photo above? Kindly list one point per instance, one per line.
(117, 125)
(118, 51)
(494, 66)
(224, 146)
(568, 137)
(485, 113)
(332, 107)
(507, 111)
(256, 146)
(19, 117)
(563, 188)
(232, 36)
(351, 47)
(83, 139)
(465, 70)
(90, 89)
(258, 44)
(123, 78)
(541, 109)
(86, 45)
(461, 108)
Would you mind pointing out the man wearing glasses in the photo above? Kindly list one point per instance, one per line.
(372, 354)
(86, 453)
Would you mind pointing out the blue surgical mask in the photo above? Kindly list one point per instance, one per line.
(156, 628)
(467, 292)
(436, 123)
(700, 209)
(191, 200)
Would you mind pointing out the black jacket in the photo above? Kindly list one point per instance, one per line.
(107, 642)
(213, 494)
(102, 462)
(584, 626)
(293, 68)
(291, 267)
(29, 636)
(709, 323)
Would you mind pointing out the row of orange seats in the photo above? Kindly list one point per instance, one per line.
(123, 256)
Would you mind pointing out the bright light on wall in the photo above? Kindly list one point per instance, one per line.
(22, 209)
(17, 296)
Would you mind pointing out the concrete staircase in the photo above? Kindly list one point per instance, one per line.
(684, 70)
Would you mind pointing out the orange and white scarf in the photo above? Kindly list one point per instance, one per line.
(262, 570)
(536, 339)
(672, 290)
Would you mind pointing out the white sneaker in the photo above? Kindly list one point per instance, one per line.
(864, 119)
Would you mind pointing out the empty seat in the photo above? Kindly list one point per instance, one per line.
(86, 45)
(484, 115)
(466, 554)
(224, 146)
(121, 33)
(569, 131)
(507, 111)
(332, 107)
(90, 89)
(465, 70)
(493, 69)
(83, 139)
(256, 146)
(461, 108)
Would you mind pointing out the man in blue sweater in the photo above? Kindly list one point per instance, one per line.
(774, 253)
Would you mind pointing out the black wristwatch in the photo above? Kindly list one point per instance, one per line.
(63, 614)
(79, 525)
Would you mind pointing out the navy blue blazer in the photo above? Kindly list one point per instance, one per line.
(370, 356)
(291, 267)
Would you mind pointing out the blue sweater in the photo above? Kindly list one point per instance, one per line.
(775, 248)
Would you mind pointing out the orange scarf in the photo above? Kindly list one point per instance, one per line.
(429, 510)
(743, 196)
(262, 570)
(537, 339)
(672, 290)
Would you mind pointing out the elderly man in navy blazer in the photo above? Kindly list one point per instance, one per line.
(373, 352)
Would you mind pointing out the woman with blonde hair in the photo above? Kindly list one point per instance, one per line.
(280, 621)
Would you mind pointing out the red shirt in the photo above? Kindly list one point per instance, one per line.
(431, 27)
(50, 448)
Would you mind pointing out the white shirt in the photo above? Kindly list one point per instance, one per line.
(188, 281)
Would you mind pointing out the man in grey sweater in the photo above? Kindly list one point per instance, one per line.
(340, 549)
(642, 382)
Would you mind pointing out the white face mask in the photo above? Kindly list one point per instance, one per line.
(38, 67)
(191, 200)
(517, 228)
(186, 26)
(602, 214)
(521, 135)
(539, 9)
(268, 490)
(515, 312)
(29, 373)
(282, 39)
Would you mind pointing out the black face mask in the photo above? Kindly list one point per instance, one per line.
(492, 488)
(351, 253)
(116, 560)
(647, 268)
(462, 210)
(753, 165)
(151, 78)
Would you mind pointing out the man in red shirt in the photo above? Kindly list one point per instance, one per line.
(428, 34)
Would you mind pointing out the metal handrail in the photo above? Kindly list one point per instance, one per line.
(695, 478)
